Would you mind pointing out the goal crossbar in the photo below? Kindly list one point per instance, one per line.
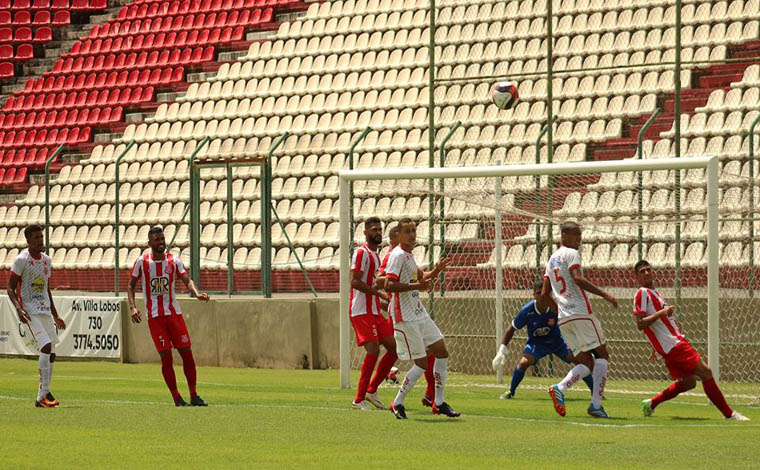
(709, 164)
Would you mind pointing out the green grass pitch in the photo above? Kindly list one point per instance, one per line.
(120, 416)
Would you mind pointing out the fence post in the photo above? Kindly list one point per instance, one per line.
(195, 214)
(266, 218)
(356, 142)
(640, 186)
(752, 206)
(441, 187)
(47, 196)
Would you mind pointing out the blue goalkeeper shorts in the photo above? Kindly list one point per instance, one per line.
(539, 350)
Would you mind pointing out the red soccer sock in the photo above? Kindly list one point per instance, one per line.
(167, 369)
(188, 364)
(382, 371)
(716, 397)
(430, 378)
(367, 367)
(669, 393)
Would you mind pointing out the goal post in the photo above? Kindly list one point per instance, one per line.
(490, 179)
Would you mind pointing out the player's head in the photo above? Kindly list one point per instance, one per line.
(644, 275)
(156, 239)
(571, 234)
(537, 288)
(373, 231)
(407, 235)
(35, 240)
(393, 235)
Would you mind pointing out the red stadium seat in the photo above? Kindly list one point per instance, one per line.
(21, 5)
(80, 5)
(61, 18)
(25, 52)
(22, 18)
(23, 35)
(60, 4)
(6, 52)
(5, 17)
(5, 4)
(6, 35)
(43, 35)
(41, 18)
(41, 5)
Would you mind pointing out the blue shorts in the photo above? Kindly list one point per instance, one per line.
(539, 350)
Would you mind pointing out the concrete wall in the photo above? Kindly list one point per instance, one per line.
(267, 333)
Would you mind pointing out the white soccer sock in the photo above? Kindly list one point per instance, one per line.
(411, 378)
(44, 366)
(576, 373)
(439, 371)
(600, 380)
(50, 373)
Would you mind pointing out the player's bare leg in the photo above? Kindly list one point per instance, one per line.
(188, 366)
(440, 371)
(704, 373)
(372, 349)
(383, 369)
(518, 374)
(43, 394)
(679, 386)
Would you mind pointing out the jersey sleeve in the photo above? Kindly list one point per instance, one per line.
(18, 266)
(179, 266)
(573, 260)
(520, 320)
(384, 264)
(357, 264)
(393, 269)
(641, 302)
(136, 271)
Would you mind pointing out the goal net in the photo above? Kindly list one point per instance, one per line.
(500, 223)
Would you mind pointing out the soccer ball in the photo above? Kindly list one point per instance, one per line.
(504, 94)
(393, 375)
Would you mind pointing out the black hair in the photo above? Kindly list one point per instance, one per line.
(394, 230)
(568, 226)
(642, 263)
(31, 229)
(154, 230)
(538, 285)
(405, 220)
(372, 220)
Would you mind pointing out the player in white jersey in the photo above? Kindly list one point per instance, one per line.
(577, 323)
(29, 292)
(415, 331)
(159, 272)
(655, 318)
(371, 328)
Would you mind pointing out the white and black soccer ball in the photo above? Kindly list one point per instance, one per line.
(504, 94)
(393, 375)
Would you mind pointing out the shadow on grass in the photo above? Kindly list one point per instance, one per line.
(689, 418)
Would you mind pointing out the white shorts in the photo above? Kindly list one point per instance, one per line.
(582, 332)
(413, 337)
(43, 330)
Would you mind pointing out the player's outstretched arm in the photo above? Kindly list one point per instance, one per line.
(11, 290)
(440, 266)
(501, 355)
(58, 320)
(643, 321)
(589, 286)
(191, 287)
(135, 313)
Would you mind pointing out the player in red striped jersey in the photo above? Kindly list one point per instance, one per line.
(159, 271)
(655, 318)
(371, 328)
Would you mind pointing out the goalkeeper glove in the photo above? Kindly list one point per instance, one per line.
(500, 359)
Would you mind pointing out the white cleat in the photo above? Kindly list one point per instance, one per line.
(375, 400)
(362, 405)
(736, 416)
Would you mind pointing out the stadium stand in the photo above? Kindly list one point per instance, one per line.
(346, 65)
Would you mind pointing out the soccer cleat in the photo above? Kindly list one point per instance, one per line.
(181, 402)
(52, 399)
(45, 403)
(427, 401)
(375, 400)
(558, 398)
(398, 410)
(646, 407)
(736, 416)
(445, 409)
(597, 412)
(362, 405)
(506, 396)
(197, 401)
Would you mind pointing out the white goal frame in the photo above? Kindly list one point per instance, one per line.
(709, 164)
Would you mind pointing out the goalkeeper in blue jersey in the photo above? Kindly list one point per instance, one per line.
(544, 338)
